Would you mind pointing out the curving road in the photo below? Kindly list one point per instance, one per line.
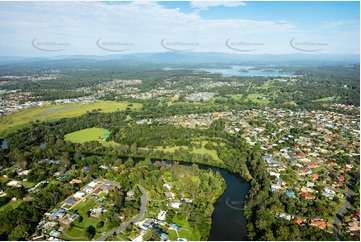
(136, 219)
(342, 210)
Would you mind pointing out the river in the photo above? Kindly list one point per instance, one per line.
(228, 221)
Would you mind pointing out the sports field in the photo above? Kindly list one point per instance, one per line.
(87, 135)
(21, 119)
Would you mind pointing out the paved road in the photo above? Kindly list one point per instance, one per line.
(342, 210)
(136, 219)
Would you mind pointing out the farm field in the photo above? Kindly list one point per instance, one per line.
(87, 135)
(21, 119)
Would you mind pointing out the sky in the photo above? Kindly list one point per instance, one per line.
(238, 27)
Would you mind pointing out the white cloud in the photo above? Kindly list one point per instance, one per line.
(341, 23)
(81, 24)
(203, 5)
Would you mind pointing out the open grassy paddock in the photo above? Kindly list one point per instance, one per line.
(12, 122)
(87, 135)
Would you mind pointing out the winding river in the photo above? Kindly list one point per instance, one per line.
(228, 221)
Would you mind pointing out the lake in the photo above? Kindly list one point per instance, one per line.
(247, 71)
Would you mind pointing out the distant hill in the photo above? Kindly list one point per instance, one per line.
(195, 58)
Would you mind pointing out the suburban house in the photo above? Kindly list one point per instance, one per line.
(75, 181)
(79, 195)
(319, 223)
(161, 215)
(314, 176)
(87, 189)
(70, 201)
(166, 185)
(58, 214)
(169, 195)
(130, 193)
(174, 204)
(298, 221)
(74, 216)
(97, 212)
(14, 184)
(307, 196)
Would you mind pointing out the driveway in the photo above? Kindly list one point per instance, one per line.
(136, 219)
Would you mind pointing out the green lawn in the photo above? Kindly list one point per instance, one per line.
(258, 98)
(202, 150)
(74, 234)
(185, 232)
(291, 103)
(87, 135)
(172, 235)
(27, 184)
(21, 119)
(11, 205)
(84, 206)
(236, 97)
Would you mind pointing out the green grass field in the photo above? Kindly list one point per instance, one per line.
(202, 150)
(11, 205)
(257, 98)
(186, 230)
(21, 119)
(87, 135)
(236, 97)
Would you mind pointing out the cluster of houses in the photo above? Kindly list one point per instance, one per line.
(172, 202)
(354, 225)
(320, 223)
(155, 223)
(52, 226)
(15, 101)
(298, 144)
(151, 93)
(199, 96)
(119, 87)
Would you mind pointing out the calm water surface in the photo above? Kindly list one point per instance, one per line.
(228, 221)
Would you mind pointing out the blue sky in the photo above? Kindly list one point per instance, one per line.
(103, 28)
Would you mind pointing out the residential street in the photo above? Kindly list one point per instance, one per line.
(342, 210)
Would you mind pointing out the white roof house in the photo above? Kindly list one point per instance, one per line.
(167, 186)
(92, 184)
(276, 174)
(88, 189)
(14, 184)
(174, 204)
(161, 215)
(79, 195)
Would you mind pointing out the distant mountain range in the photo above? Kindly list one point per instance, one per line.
(195, 58)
